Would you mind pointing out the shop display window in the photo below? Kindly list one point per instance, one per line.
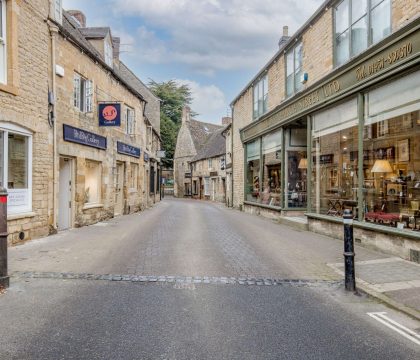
(391, 154)
(271, 184)
(253, 162)
(296, 167)
(93, 182)
(334, 160)
(15, 168)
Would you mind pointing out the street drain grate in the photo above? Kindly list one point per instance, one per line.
(248, 281)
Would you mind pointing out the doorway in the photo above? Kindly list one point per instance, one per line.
(119, 189)
(65, 203)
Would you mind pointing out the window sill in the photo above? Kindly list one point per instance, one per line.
(24, 215)
(369, 226)
(10, 89)
(92, 206)
(275, 208)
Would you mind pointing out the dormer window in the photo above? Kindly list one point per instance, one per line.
(57, 10)
(108, 53)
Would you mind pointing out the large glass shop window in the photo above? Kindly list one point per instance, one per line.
(271, 184)
(391, 154)
(335, 155)
(15, 169)
(93, 182)
(296, 168)
(253, 162)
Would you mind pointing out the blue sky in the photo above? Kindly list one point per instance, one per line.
(214, 46)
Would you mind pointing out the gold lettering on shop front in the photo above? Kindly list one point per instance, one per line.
(402, 52)
(331, 88)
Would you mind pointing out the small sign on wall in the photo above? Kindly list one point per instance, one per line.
(109, 114)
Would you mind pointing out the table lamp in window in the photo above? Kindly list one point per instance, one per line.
(382, 167)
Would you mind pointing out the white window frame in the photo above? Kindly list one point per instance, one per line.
(260, 97)
(82, 93)
(210, 163)
(58, 11)
(130, 121)
(108, 52)
(351, 23)
(3, 43)
(7, 128)
(296, 71)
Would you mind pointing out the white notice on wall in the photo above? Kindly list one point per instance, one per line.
(17, 197)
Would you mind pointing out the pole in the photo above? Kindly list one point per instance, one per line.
(4, 278)
(350, 279)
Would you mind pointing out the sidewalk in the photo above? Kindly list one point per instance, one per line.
(392, 280)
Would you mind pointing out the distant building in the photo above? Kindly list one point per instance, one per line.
(192, 136)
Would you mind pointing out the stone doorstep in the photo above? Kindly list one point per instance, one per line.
(377, 290)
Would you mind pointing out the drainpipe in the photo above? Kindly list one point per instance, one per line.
(53, 34)
(231, 151)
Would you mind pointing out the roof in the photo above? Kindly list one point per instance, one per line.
(95, 32)
(201, 132)
(71, 29)
(214, 146)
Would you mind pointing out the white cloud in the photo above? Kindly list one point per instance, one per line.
(211, 35)
(208, 100)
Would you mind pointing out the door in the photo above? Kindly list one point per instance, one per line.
(65, 194)
(119, 189)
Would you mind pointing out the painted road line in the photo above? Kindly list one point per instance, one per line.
(401, 329)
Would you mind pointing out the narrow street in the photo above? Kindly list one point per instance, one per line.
(190, 280)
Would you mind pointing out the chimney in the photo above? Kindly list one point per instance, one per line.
(285, 37)
(186, 114)
(226, 120)
(116, 41)
(79, 16)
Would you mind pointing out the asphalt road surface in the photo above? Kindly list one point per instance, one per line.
(190, 280)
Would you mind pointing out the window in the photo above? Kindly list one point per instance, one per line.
(293, 70)
(260, 97)
(93, 182)
(58, 10)
(3, 48)
(16, 167)
(108, 53)
(253, 162)
(210, 163)
(82, 93)
(134, 174)
(271, 156)
(353, 19)
(130, 121)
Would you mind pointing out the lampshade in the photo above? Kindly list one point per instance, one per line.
(382, 166)
(303, 163)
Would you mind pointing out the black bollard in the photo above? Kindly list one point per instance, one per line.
(4, 278)
(350, 279)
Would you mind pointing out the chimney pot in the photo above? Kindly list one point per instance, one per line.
(226, 120)
(285, 30)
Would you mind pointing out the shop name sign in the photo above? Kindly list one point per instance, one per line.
(128, 150)
(109, 114)
(350, 80)
(83, 137)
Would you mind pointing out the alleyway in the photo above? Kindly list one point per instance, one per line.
(190, 280)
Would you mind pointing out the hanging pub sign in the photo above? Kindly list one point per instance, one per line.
(109, 114)
(83, 137)
(128, 149)
(146, 156)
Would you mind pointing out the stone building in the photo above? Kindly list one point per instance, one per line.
(208, 167)
(25, 130)
(331, 123)
(192, 136)
(106, 139)
(59, 82)
(227, 133)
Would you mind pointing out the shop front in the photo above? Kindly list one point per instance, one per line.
(351, 141)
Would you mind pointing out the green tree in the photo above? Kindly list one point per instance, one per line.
(173, 98)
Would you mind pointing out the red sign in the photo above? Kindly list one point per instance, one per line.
(110, 114)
